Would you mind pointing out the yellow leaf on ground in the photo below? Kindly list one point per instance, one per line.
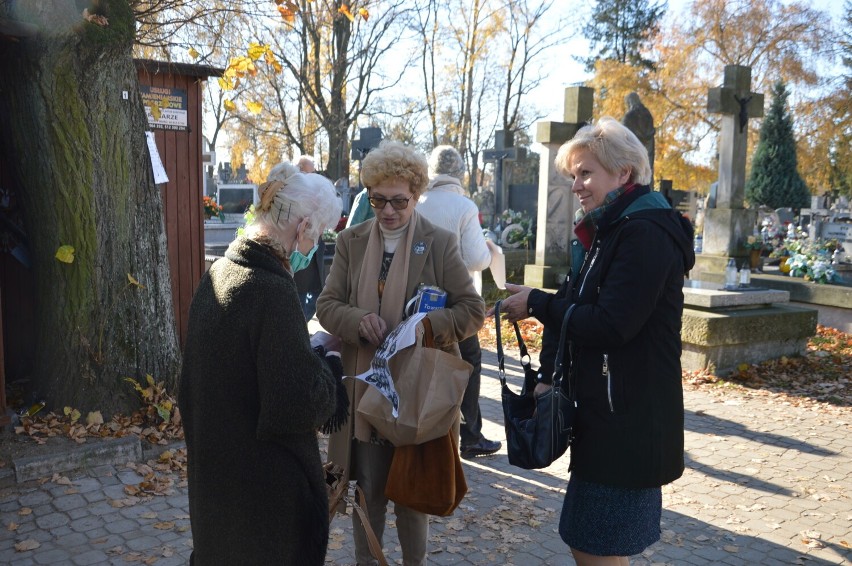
(25, 545)
(94, 417)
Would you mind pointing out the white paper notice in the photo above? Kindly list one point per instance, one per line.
(379, 375)
(498, 264)
(159, 171)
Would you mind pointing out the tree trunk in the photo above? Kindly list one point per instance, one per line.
(73, 132)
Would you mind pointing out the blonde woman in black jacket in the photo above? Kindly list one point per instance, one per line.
(625, 294)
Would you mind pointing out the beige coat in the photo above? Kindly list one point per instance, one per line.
(439, 264)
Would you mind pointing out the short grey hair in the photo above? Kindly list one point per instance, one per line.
(297, 195)
(445, 160)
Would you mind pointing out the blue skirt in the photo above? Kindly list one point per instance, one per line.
(605, 520)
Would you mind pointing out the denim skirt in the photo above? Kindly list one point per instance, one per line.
(605, 520)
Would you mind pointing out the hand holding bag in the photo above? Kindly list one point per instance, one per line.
(538, 429)
(430, 384)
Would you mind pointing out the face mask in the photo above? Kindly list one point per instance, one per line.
(299, 261)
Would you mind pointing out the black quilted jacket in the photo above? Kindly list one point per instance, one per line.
(624, 343)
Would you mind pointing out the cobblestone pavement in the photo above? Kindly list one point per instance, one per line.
(767, 482)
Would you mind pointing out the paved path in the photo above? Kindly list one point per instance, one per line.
(767, 482)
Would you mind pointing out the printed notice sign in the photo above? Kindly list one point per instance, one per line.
(165, 107)
(156, 163)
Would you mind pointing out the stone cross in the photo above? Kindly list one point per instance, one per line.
(728, 224)
(736, 103)
(504, 150)
(556, 203)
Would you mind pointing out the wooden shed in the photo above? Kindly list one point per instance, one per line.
(175, 90)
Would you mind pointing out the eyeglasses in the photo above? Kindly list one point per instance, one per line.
(397, 203)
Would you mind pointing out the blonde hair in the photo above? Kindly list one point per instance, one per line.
(395, 160)
(613, 145)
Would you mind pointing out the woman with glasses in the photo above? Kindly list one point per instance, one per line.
(378, 266)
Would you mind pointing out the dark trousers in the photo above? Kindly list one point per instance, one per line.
(471, 425)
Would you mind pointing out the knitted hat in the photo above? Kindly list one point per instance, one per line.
(445, 160)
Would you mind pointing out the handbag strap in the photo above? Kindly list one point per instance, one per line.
(525, 359)
(558, 369)
(372, 541)
(428, 335)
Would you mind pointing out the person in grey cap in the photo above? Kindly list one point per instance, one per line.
(444, 203)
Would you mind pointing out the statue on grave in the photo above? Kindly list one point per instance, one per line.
(638, 120)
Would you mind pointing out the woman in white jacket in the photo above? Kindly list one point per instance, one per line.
(445, 204)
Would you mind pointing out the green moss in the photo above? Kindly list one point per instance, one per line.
(73, 195)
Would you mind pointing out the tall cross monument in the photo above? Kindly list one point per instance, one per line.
(556, 203)
(728, 224)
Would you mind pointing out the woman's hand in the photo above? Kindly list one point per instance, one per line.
(330, 343)
(541, 389)
(372, 329)
(514, 307)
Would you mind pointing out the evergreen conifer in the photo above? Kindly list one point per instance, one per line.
(775, 180)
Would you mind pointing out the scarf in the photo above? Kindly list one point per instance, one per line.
(391, 305)
(587, 224)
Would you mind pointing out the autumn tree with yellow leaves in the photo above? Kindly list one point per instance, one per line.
(779, 41)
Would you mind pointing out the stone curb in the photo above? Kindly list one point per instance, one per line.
(110, 451)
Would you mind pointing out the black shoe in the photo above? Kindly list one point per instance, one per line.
(482, 448)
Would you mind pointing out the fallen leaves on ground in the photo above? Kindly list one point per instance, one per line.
(821, 377)
(28, 544)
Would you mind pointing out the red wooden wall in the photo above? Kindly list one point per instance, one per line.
(180, 151)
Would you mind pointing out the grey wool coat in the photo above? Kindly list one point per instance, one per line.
(252, 395)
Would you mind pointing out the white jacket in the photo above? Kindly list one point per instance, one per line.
(444, 204)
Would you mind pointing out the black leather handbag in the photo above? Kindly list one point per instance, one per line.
(538, 429)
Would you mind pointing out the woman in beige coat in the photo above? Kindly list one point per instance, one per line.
(378, 266)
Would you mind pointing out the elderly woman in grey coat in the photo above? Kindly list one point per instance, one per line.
(254, 391)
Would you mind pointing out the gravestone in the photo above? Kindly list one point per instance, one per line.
(728, 224)
(504, 150)
(556, 203)
(639, 120)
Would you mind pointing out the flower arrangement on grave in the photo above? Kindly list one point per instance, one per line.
(518, 230)
(212, 209)
(755, 243)
(811, 259)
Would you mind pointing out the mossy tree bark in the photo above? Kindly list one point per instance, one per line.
(73, 131)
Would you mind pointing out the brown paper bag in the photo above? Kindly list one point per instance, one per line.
(430, 384)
